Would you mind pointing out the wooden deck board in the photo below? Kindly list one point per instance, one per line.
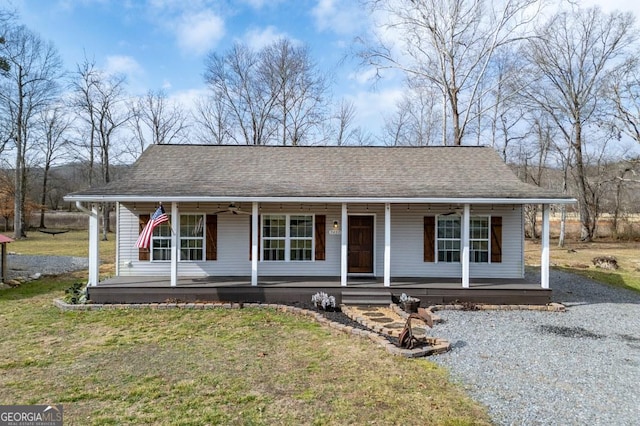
(299, 290)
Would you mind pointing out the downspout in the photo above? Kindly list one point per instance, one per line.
(82, 208)
(94, 257)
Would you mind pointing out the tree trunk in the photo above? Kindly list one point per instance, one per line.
(43, 199)
(586, 221)
(563, 211)
(18, 203)
(106, 209)
(563, 218)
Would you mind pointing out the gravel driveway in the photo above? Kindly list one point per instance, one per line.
(20, 265)
(576, 367)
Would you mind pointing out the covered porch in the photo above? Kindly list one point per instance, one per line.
(256, 272)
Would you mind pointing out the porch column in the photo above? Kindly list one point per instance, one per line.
(544, 261)
(344, 240)
(254, 244)
(465, 246)
(94, 247)
(175, 240)
(387, 245)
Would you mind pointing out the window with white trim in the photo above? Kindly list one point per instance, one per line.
(191, 240)
(274, 237)
(479, 239)
(287, 237)
(448, 239)
(191, 237)
(161, 242)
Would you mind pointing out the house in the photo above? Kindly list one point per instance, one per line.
(271, 223)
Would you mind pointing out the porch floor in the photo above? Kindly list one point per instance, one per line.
(299, 290)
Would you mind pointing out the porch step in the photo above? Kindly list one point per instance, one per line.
(368, 297)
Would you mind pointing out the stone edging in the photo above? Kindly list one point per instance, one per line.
(551, 307)
(439, 347)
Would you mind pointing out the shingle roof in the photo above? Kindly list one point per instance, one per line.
(166, 171)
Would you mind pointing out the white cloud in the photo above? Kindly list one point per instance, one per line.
(611, 5)
(120, 64)
(259, 4)
(258, 38)
(199, 32)
(340, 17)
(366, 76)
(371, 107)
(187, 98)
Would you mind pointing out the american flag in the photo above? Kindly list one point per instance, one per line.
(144, 240)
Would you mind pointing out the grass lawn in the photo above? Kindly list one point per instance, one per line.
(72, 243)
(576, 257)
(248, 366)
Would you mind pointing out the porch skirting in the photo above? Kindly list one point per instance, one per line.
(295, 290)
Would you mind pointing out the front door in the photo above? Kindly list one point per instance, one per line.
(360, 244)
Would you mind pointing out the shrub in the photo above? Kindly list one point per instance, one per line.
(323, 301)
(404, 298)
(76, 294)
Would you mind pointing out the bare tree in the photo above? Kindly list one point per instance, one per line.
(52, 125)
(32, 85)
(395, 130)
(100, 100)
(508, 111)
(275, 95)
(87, 76)
(6, 19)
(213, 122)
(299, 90)
(451, 44)
(157, 120)
(570, 62)
(625, 94)
(533, 156)
(235, 79)
(345, 117)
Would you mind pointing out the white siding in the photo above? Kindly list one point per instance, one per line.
(406, 242)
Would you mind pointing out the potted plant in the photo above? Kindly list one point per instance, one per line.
(409, 304)
(322, 300)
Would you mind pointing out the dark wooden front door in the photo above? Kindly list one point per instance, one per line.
(360, 244)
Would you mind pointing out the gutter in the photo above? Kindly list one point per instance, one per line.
(321, 199)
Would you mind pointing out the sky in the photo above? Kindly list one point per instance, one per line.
(162, 44)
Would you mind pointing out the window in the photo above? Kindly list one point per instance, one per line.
(449, 239)
(287, 237)
(161, 242)
(191, 237)
(301, 234)
(274, 236)
(479, 239)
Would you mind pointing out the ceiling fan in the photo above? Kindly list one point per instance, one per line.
(457, 211)
(232, 208)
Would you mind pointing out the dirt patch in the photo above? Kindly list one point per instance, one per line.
(578, 332)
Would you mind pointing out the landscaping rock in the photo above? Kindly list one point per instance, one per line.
(605, 262)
